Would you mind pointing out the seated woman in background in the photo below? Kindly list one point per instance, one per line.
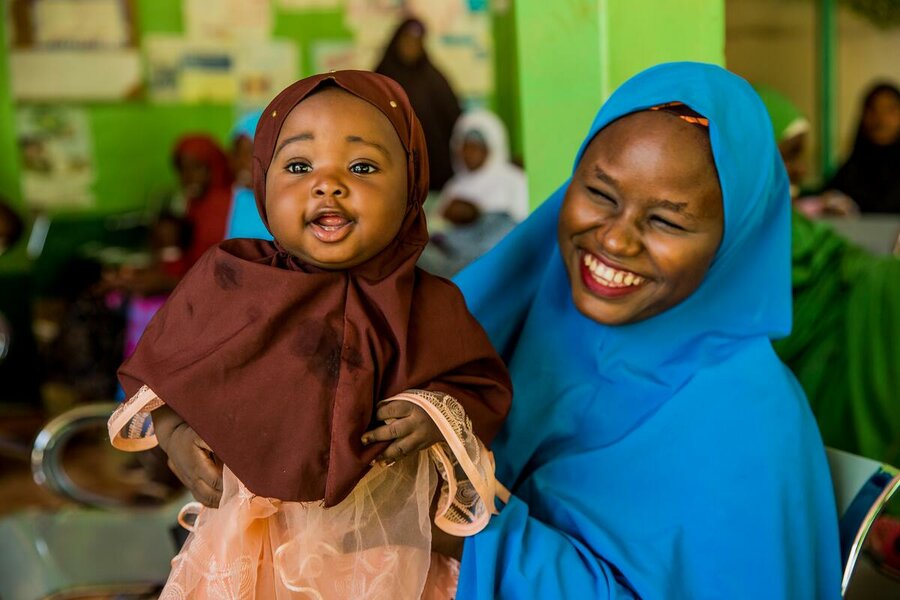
(483, 201)
(792, 134)
(843, 347)
(177, 242)
(871, 176)
(244, 220)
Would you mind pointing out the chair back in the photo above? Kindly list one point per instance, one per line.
(862, 489)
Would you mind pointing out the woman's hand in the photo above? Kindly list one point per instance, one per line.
(190, 458)
(461, 212)
(408, 425)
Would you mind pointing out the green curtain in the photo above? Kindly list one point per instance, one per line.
(845, 344)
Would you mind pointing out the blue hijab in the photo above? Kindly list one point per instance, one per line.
(671, 458)
(244, 221)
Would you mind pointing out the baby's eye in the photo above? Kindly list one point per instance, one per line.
(297, 167)
(363, 169)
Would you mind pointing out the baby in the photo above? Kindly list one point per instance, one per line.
(278, 353)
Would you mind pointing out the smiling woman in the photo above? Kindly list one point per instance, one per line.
(642, 218)
(656, 446)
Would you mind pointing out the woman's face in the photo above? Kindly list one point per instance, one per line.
(336, 186)
(474, 153)
(642, 218)
(793, 153)
(410, 45)
(881, 119)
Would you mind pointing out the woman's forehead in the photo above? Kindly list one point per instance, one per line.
(673, 143)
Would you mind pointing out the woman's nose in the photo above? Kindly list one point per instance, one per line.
(620, 238)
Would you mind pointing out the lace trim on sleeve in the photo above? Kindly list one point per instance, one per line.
(130, 426)
(466, 466)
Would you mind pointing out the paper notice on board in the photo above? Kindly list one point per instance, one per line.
(301, 5)
(225, 20)
(248, 72)
(77, 75)
(56, 155)
(81, 24)
(264, 69)
(337, 55)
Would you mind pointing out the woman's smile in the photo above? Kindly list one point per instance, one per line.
(603, 279)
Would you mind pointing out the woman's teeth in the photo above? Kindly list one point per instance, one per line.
(608, 276)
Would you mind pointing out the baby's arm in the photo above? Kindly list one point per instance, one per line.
(407, 425)
(190, 458)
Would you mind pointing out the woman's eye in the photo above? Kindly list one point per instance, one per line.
(667, 224)
(298, 167)
(598, 195)
(363, 169)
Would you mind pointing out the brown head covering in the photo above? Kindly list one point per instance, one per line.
(278, 365)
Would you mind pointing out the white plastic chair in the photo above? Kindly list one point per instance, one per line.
(862, 489)
(94, 548)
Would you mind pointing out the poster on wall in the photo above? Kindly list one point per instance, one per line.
(73, 50)
(264, 69)
(304, 5)
(73, 24)
(224, 20)
(55, 152)
(75, 75)
(248, 73)
(337, 55)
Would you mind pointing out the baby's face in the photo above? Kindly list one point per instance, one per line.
(336, 186)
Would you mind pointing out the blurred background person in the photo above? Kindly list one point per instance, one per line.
(486, 197)
(406, 61)
(846, 304)
(792, 130)
(244, 220)
(871, 175)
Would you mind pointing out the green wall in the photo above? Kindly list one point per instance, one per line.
(573, 53)
(9, 158)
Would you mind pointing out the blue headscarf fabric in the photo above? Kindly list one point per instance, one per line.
(244, 221)
(671, 458)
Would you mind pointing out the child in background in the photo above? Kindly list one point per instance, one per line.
(244, 220)
(278, 353)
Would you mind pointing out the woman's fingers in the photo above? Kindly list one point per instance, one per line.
(403, 446)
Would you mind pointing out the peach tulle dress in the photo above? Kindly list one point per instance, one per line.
(375, 544)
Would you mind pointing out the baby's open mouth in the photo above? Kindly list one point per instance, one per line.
(331, 221)
(331, 227)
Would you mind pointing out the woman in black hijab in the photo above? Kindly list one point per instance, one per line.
(871, 176)
(431, 96)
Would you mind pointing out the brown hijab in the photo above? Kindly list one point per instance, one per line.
(278, 365)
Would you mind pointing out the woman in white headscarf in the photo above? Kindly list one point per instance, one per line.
(485, 198)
